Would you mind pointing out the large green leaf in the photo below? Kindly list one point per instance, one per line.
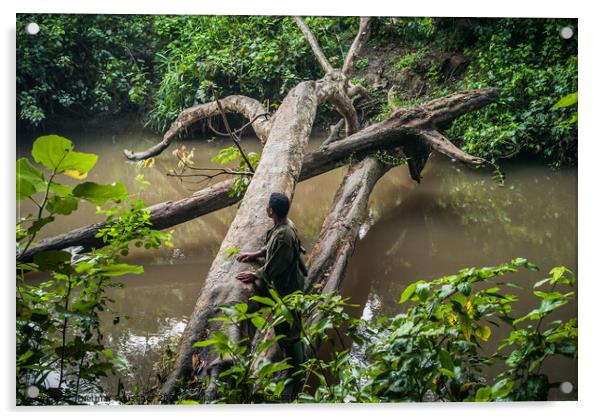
(56, 153)
(99, 194)
(501, 388)
(120, 269)
(51, 150)
(30, 179)
(264, 300)
(78, 164)
(60, 189)
(446, 360)
(408, 292)
(483, 394)
(422, 291)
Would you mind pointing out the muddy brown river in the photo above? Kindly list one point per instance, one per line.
(457, 217)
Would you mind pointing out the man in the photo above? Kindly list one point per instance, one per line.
(283, 271)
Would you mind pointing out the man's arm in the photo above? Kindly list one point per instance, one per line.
(281, 256)
(251, 256)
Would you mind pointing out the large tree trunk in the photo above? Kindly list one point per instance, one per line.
(278, 171)
(406, 128)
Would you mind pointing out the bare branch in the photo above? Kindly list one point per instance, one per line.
(441, 144)
(233, 136)
(209, 176)
(238, 131)
(313, 43)
(249, 107)
(362, 35)
(206, 177)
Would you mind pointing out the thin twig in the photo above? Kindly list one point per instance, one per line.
(234, 138)
(238, 130)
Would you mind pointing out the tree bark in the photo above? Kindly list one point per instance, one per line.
(402, 129)
(249, 107)
(328, 258)
(278, 171)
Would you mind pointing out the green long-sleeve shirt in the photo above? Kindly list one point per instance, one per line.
(283, 268)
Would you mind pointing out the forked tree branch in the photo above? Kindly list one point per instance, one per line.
(441, 144)
(313, 43)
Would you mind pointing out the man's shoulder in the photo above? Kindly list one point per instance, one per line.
(285, 231)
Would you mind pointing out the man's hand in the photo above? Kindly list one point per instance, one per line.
(246, 276)
(247, 257)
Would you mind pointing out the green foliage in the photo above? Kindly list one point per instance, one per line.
(250, 377)
(431, 351)
(232, 154)
(85, 64)
(389, 158)
(60, 348)
(568, 101)
(412, 61)
(361, 63)
(259, 56)
(533, 67)
(79, 65)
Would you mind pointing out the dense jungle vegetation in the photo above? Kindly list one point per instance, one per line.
(433, 349)
(83, 66)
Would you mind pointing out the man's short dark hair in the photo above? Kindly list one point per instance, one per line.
(280, 204)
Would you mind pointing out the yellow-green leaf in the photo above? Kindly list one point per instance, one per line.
(483, 332)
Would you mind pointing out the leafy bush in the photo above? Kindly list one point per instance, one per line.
(79, 65)
(533, 67)
(60, 349)
(431, 351)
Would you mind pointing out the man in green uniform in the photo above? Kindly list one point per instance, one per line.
(284, 271)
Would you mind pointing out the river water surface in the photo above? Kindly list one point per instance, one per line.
(457, 217)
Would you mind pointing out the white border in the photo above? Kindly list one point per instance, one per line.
(590, 278)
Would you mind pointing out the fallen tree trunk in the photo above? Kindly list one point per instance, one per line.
(249, 107)
(278, 170)
(405, 128)
(328, 258)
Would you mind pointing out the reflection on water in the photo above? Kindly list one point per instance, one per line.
(455, 218)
